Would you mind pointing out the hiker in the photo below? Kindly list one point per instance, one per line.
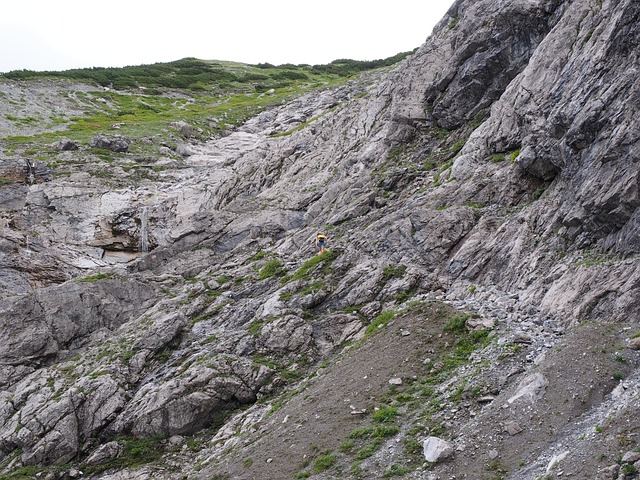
(321, 243)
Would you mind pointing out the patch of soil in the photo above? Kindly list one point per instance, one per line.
(319, 418)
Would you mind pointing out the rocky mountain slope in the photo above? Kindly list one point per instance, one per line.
(163, 313)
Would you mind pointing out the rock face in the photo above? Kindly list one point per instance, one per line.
(494, 172)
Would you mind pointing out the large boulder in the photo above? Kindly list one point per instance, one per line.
(114, 143)
(436, 449)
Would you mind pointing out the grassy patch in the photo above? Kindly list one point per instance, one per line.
(23, 473)
(270, 269)
(255, 327)
(379, 322)
(310, 265)
(324, 462)
(396, 471)
(378, 431)
(94, 278)
(136, 452)
(393, 271)
(457, 324)
(385, 414)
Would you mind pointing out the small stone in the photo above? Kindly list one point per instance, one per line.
(522, 337)
(269, 460)
(493, 454)
(480, 323)
(512, 427)
(395, 381)
(74, 473)
(486, 399)
(634, 343)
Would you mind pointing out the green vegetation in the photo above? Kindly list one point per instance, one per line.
(256, 326)
(393, 271)
(94, 278)
(396, 471)
(272, 268)
(136, 452)
(378, 432)
(537, 193)
(592, 258)
(347, 446)
(324, 462)
(302, 475)
(202, 75)
(310, 265)
(212, 97)
(457, 324)
(379, 322)
(258, 256)
(23, 473)
(385, 414)
(498, 157)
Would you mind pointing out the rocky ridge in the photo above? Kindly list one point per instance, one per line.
(491, 178)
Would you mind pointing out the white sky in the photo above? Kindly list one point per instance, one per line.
(63, 34)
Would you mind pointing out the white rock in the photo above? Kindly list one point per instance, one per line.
(435, 449)
(530, 389)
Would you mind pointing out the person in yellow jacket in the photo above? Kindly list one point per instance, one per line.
(321, 243)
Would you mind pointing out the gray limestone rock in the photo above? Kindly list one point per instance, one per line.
(501, 154)
(66, 145)
(104, 453)
(436, 450)
(115, 143)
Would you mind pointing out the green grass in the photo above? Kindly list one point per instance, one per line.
(396, 471)
(379, 322)
(94, 278)
(202, 75)
(310, 265)
(324, 462)
(457, 324)
(136, 452)
(378, 431)
(347, 446)
(498, 157)
(385, 414)
(393, 271)
(272, 268)
(256, 327)
(22, 473)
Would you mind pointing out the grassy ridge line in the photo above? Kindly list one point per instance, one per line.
(200, 75)
(212, 96)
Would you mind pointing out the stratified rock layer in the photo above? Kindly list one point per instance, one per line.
(496, 169)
